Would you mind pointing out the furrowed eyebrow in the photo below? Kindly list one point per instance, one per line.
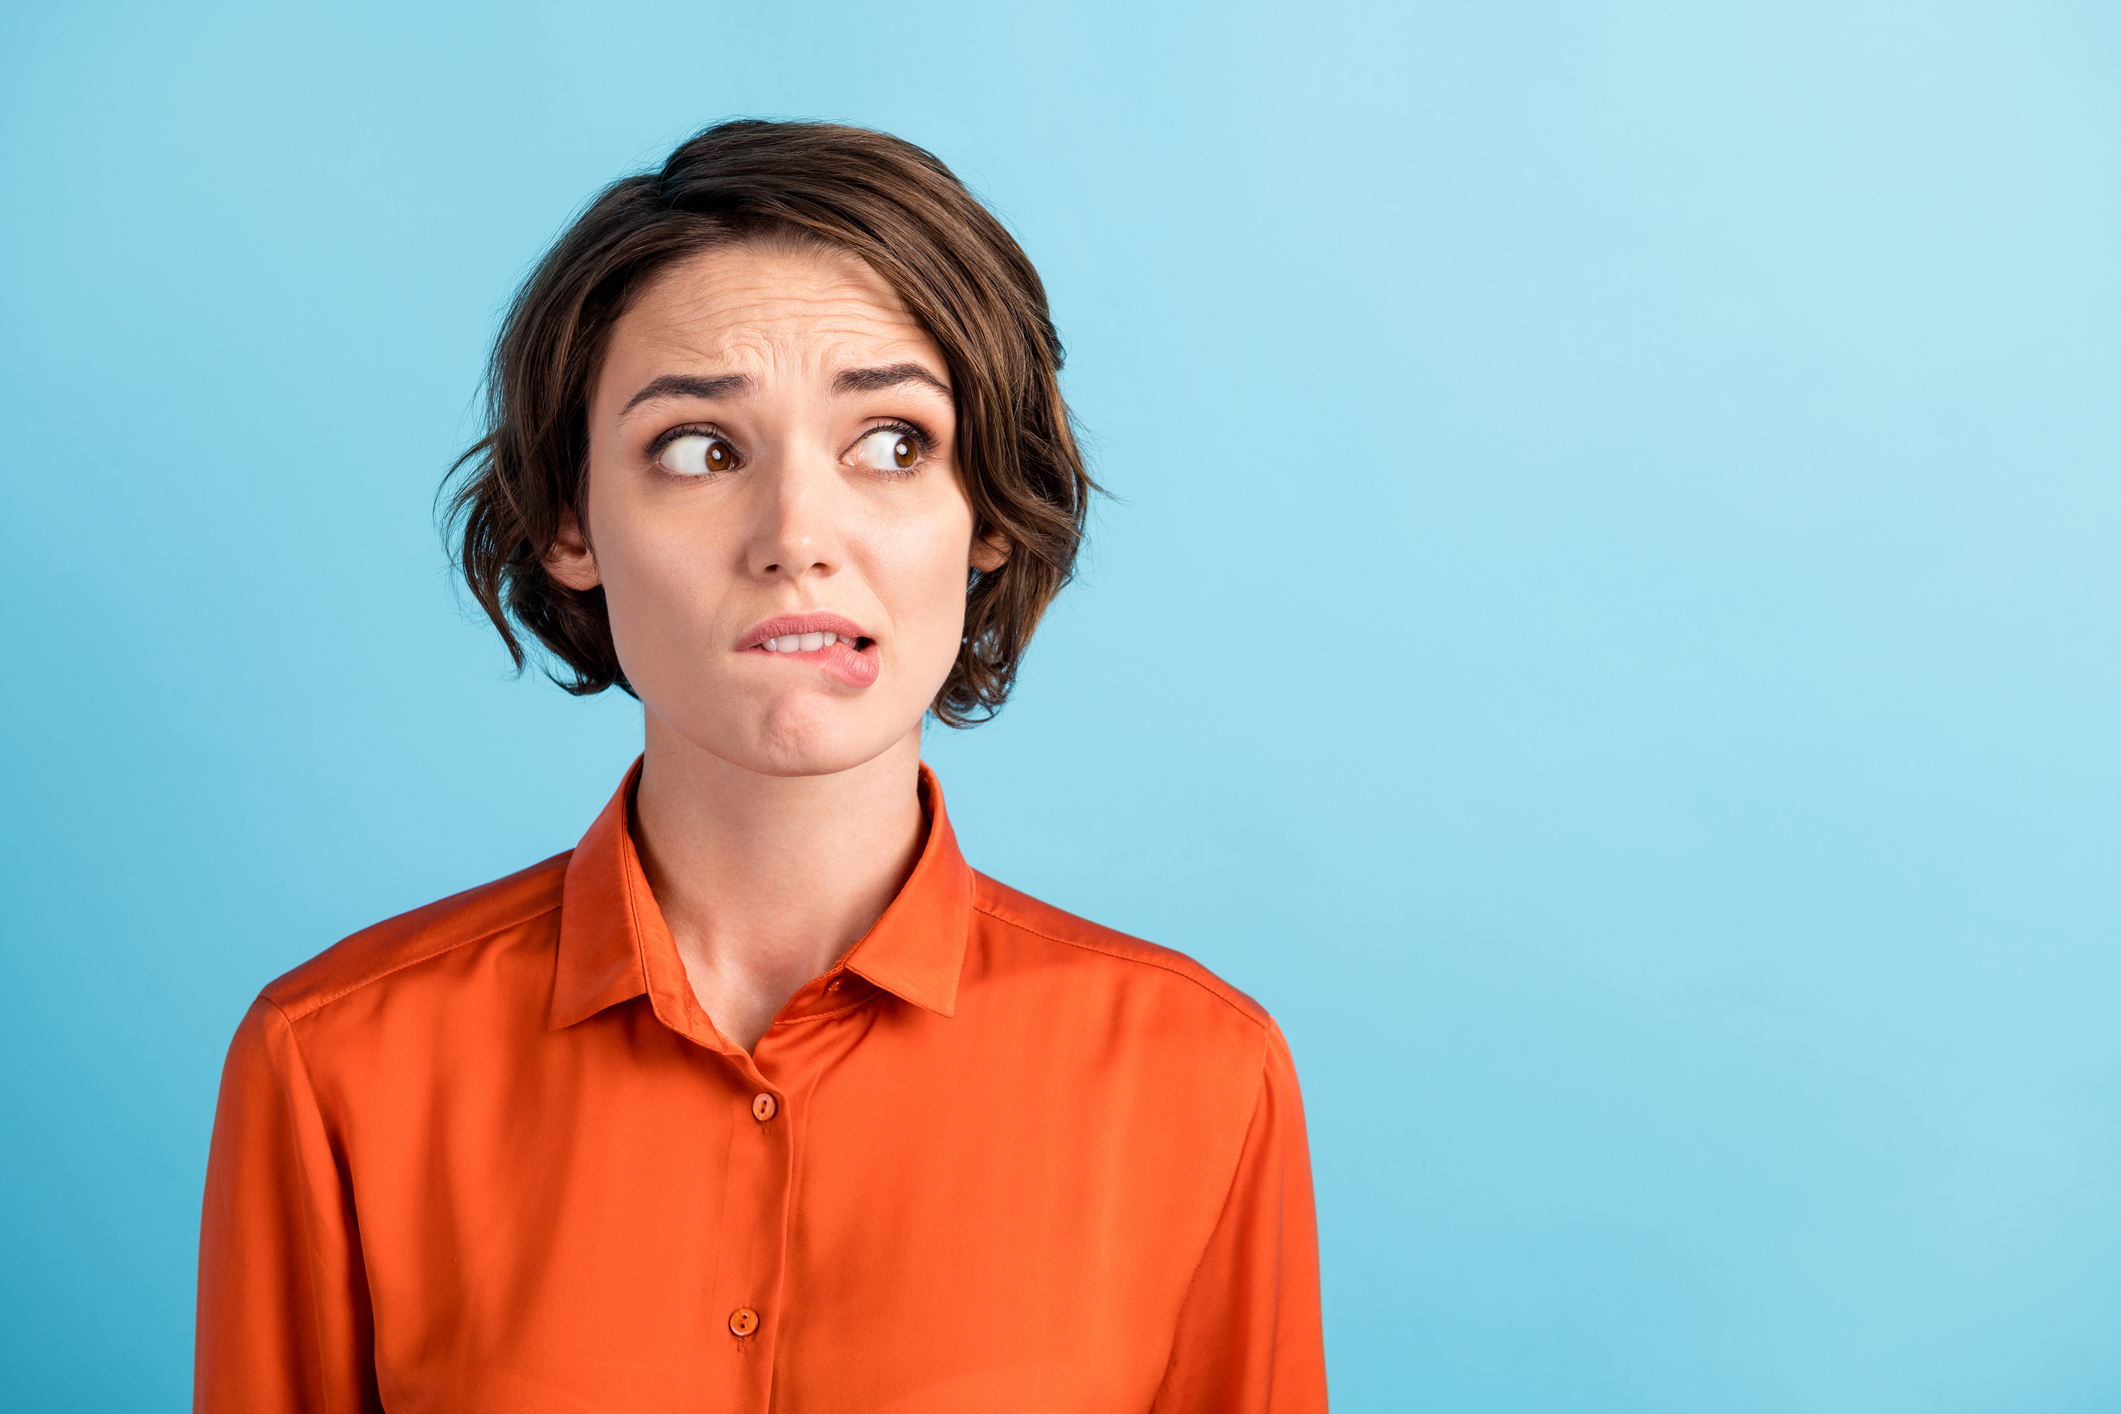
(679, 385)
(891, 375)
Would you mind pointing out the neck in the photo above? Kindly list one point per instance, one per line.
(766, 880)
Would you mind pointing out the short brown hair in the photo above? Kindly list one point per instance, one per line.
(882, 199)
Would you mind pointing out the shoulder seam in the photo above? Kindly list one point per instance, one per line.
(284, 1082)
(321, 1002)
(1125, 957)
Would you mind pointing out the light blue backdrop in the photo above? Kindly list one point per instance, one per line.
(1608, 623)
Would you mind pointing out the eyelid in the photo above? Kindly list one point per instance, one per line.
(923, 444)
(688, 429)
(920, 435)
(693, 429)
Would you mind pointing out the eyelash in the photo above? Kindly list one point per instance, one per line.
(919, 436)
(915, 435)
(690, 429)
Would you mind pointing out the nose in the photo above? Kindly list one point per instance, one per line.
(795, 531)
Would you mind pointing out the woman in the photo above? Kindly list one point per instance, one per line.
(760, 1097)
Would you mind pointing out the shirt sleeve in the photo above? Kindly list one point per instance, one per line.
(1249, 1338)
(284, 1321)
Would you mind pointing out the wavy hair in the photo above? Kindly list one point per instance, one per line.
(873, 195)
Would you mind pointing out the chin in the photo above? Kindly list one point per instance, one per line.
(808, 736)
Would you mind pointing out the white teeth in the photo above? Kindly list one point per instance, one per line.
(804, 642)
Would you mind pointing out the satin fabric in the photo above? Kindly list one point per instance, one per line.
(492, 1155)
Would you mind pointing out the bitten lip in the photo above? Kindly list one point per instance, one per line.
(781, 625)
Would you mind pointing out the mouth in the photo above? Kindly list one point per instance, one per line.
(825, 640)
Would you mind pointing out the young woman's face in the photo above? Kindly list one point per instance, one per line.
(775, 510)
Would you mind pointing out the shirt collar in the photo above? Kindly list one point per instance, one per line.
(614, 944)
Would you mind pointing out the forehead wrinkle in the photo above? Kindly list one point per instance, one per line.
(716, 316)
(815, 354)
(739, 283)
(707, 328)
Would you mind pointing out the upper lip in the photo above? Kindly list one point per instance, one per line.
(781, 625)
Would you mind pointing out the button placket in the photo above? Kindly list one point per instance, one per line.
(781, 1070)
(760, 1174)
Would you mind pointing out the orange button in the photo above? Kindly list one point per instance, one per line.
(743, 1321)
(762, 1108)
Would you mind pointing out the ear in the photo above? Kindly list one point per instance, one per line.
(570, 560)
(990, 552)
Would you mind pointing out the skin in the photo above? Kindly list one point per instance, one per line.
(777, 814)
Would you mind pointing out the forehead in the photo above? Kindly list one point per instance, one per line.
(753, 304)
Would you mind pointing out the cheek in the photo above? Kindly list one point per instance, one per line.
(659, 573)
(922, 574)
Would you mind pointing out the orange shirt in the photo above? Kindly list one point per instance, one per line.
(491, 1155)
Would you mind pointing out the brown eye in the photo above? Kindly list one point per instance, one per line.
(697, 454)
(889, 449)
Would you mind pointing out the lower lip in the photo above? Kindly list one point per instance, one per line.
(850, 665)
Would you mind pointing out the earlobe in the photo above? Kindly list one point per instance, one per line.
(570, 561)
(990, 552)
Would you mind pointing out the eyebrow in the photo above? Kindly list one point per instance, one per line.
(680, 385)
(890, 375)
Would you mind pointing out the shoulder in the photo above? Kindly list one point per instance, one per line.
(443, 927)
(1127, 959)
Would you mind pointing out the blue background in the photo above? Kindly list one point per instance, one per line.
(1607, 624)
